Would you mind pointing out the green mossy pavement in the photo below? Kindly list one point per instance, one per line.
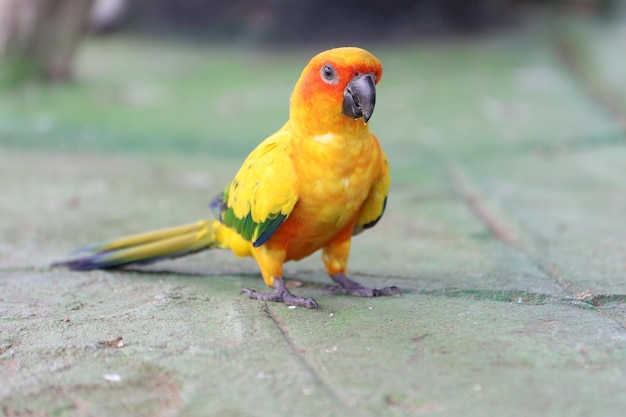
(505, 230)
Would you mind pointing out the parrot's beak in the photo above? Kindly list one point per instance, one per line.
(359, 97)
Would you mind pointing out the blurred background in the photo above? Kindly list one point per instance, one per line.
(40, 37)
(199, 83)
(158, 57)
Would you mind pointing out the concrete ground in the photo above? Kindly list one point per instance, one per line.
(505, 230)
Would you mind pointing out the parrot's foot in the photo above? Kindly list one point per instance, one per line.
(347, 286)
(281, 295)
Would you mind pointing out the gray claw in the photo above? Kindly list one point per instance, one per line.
(281, 295)
(350, 287)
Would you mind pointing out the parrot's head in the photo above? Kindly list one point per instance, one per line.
(337, 90)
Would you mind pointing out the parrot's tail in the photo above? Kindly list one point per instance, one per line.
(147, 247)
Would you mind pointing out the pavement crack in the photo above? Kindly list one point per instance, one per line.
(585, 300)
(502, 227)
(600, 94)
(299, 353)
(420, 348)
(601, 300)
(507, 296)
(499, 227)
(553, 272)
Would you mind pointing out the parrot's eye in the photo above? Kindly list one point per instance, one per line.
(328, 74)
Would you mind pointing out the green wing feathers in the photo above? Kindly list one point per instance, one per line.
(146, 247)
(263, 193)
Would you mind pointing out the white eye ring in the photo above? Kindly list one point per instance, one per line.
(329, 75)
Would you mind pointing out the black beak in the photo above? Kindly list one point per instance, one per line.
(359, 97)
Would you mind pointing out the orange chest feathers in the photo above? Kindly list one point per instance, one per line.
(334, 179)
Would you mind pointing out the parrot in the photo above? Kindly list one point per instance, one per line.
(314, 184)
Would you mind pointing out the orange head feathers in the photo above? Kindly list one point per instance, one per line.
(336, 91)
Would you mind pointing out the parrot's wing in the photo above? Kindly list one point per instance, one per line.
(376, 201)
(263, 193)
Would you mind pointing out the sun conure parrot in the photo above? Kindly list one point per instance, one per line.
(319, 180)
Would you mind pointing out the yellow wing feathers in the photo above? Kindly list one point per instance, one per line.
(264, 191)
(376, 201)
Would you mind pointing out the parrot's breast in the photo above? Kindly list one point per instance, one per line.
(334, 180)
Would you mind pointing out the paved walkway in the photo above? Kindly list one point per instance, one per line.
(505, 229)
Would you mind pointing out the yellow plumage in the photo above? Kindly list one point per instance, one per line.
(312, 185)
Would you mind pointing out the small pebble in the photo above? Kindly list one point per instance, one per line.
(113, 377)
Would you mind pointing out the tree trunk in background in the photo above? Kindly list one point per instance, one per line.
(38, 38)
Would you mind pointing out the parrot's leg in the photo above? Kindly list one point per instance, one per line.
(281, 295)
(335, 258)
(270, 260)
(350, 287)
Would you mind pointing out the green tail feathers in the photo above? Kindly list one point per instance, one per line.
(145, 248)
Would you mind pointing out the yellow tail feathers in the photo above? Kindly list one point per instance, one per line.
(148, 247)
